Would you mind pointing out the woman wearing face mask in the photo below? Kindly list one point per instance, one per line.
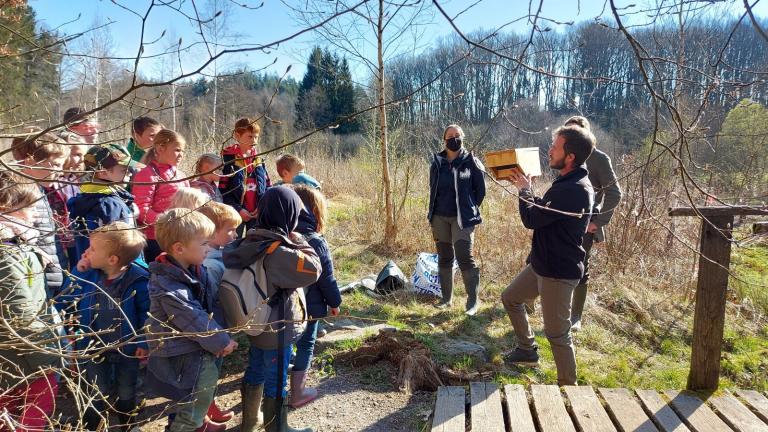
(456, 190)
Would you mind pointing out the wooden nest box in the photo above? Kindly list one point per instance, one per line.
(502, 163)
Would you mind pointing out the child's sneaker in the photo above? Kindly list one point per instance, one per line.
(523, 357)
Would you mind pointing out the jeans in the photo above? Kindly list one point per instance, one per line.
(305, 346)
(114, 377)
(262, 369)
(190, 414)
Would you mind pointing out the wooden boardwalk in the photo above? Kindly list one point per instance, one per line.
(547, 408)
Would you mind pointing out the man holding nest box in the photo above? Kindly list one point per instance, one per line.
(555, 264)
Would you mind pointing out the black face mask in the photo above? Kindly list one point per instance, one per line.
(453, 144)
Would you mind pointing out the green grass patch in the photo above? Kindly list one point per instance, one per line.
(609, 352)
(750, 270)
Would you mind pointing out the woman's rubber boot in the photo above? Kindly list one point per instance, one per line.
(446, 287)
(577, 306)
(251, 401)
(471, 279)
(217, 415)
(274, 410)
(300, 393)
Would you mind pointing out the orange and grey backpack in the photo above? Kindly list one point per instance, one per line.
(243, 294)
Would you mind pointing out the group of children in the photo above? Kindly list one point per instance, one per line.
(112, 258)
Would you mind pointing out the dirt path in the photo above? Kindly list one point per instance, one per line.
(353, 399)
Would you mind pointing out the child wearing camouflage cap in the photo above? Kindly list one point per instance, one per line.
(102, 199)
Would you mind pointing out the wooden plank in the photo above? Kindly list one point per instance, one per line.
(709, 314)
(550, 409)
(695, 413)
(756, 401)
(736, 415)
(626, 411)
(520, 417)
(664, 417)
(719, 211)
(486, 407)
(449, 410)
(587, 409)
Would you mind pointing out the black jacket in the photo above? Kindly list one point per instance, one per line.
(469, 183)
(556, 251)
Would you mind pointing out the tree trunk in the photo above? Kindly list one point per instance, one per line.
(390, 229)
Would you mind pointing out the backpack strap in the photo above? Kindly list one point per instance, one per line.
(273, 247)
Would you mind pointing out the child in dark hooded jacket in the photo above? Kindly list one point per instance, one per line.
(291, 264)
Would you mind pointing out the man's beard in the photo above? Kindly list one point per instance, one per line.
(557, 164)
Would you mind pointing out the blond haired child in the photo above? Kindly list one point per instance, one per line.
(42, 157)
(109, 297)
(189, 198)
(28, 374)
(184, 368)
(226, 220)
(155, 185)
(208, 167)
(322, 296)
(290, 168)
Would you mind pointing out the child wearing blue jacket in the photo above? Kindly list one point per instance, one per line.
(108, 294)
(102, 200)
(321, 295)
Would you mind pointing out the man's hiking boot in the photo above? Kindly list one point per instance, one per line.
(523, 357)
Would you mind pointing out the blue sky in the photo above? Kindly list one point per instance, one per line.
(272, 21)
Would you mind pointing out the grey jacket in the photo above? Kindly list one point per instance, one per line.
(184, 302)
(291, 263)
(46, 241)
(607, 191)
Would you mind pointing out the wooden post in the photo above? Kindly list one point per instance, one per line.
(711, 290)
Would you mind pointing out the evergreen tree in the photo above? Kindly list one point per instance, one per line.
(326, 93)
(305, 118)
(345, 99)
(29, 65)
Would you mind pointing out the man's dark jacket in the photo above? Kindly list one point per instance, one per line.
(556, 251)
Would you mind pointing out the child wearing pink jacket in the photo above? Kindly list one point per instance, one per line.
(156, 184)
